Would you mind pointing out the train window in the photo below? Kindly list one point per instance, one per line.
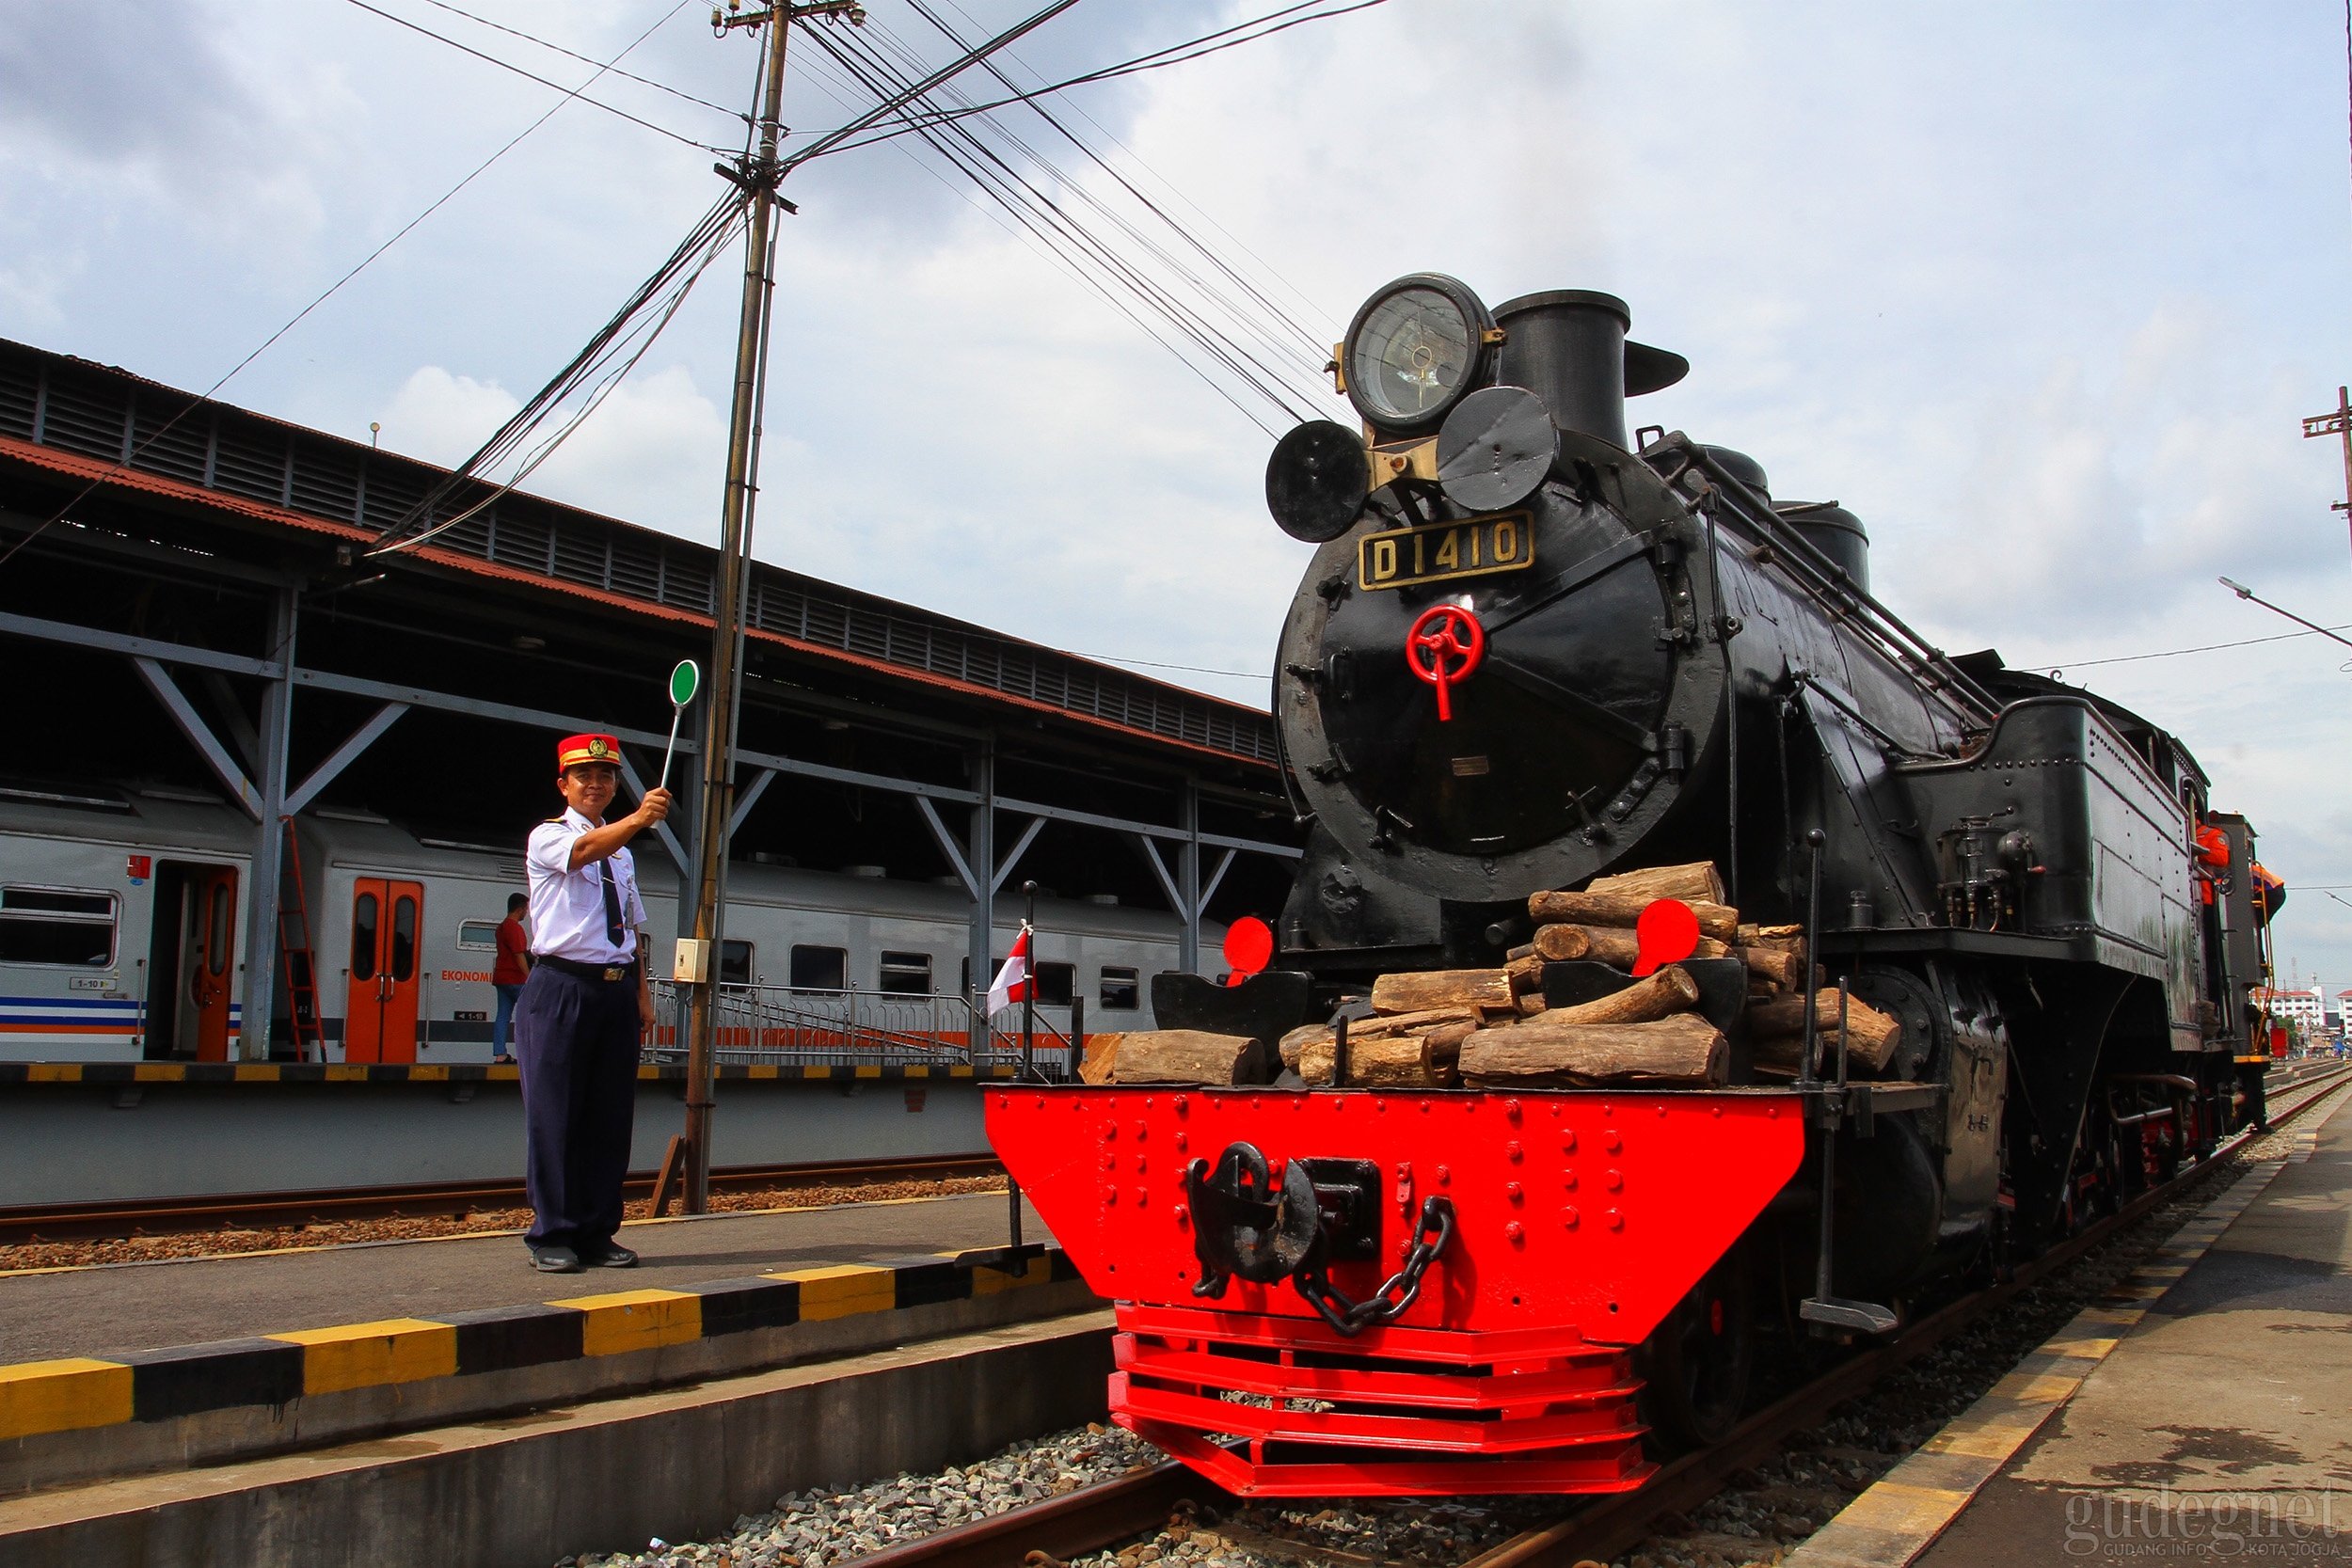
(907, 974)
(1056, 984)
(54, 926)
(478, 936)
(403, 936)
(1123, 989)
(363, 918)
(216, 960)
(820, 969)
(735, 963)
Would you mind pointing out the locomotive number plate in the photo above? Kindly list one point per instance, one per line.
(1436, 552)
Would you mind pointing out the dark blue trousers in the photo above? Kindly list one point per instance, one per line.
(575, 1041)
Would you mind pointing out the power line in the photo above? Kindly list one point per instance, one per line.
(586, 59)
(1153, 61)
(535, 76)
(2209, 647)
(332, 290)
(1257, 334)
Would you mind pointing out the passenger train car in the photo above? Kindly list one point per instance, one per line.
(122, 926)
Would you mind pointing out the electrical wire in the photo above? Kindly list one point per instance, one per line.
(586, 60)
(1217, 321)
(535, 76)
(297, 319)
(1153, 61)
(1097, 267)
(600, 367)
(2207, 648)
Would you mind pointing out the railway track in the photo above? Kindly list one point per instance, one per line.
(60, 1222)
(1045, 1534)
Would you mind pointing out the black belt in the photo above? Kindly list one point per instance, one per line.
(573, 967)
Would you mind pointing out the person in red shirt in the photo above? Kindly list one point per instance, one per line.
(508, 975)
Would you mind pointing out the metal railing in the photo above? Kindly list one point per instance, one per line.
(778, 1026)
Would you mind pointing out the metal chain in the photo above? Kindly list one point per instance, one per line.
(1396, 1294)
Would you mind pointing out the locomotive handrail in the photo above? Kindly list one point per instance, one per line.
(1968, 700)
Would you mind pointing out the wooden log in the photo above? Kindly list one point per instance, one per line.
(1188, 1057)
(1719, 920)
(1786, 970)
(1670, 991)
(1373, 1029)
(1291, 1044)
(1606, 944)
(1872, 1035)
(1683, 1051)
(1696, 883)
(1530, 1003)
(1422, 1060)
(1421, 990)
(1101, 1064)
(1521, 951)
(1526, 974)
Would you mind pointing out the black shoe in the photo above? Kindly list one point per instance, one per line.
(607, 1255)
(554, 1260)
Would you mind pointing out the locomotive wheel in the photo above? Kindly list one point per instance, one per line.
(1695, 1364)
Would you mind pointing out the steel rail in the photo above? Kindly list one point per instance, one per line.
(169, 1215)
(1048, 1533)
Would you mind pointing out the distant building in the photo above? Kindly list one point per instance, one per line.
(2304, 1007)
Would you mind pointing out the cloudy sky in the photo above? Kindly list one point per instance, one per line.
(2040, 291)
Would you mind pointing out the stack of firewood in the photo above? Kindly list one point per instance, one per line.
(1490, 1028)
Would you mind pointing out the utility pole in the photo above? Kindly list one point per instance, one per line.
(2337, 423)
(758, 176)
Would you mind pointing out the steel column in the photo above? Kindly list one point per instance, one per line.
(269, 837)
(1188, 874)
(981, 861)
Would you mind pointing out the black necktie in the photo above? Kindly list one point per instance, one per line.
(611, 904)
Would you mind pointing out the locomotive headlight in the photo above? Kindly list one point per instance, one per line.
(1415, 350)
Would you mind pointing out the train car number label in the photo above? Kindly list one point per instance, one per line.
(1439, 552)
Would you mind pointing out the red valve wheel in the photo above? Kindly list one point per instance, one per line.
(1444, 631)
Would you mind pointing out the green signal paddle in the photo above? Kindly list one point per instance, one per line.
(683, 682)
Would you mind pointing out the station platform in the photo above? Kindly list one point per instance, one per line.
(2202, 1411)
(117, 1307)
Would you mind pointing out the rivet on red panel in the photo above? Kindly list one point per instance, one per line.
(1616, 1220)
(1182, 1213)
(1511, 1109)
(1516, 1231)
(1567, 1180)
(1568, 1140)
(1180, 1102)
(1445, 1175)
(1614, 1179)
(1514, 1152)
(1513, 1191)
(1568, 1217)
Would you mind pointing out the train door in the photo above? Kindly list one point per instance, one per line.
(203, 967)
(380, 1001)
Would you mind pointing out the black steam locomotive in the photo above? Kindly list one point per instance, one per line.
(1530, 651)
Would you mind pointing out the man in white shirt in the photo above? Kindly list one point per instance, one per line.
(583, 1013)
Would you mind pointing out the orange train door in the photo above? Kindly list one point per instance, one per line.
(380, 1001)
(211, 943)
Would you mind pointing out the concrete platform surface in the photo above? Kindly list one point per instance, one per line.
(2220, 1428)
(149, 1305)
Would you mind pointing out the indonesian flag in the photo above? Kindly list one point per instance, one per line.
(1013, 981)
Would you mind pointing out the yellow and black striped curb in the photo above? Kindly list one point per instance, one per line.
(1900, 1518)
(80, 1392)
(452, 1072)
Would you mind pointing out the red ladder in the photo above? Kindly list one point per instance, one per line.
(293, 949)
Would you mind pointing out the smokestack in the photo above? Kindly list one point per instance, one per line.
(1568, 347)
